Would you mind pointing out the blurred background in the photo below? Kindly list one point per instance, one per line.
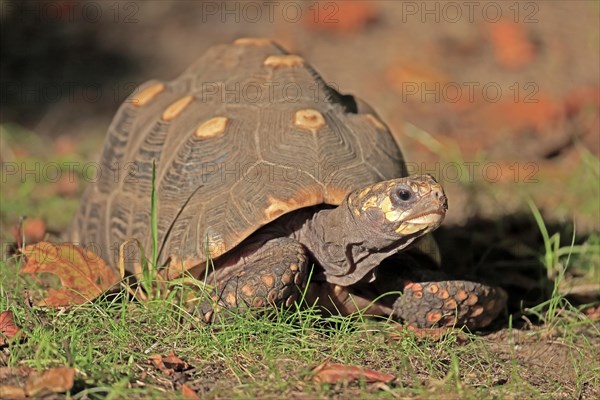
(499, 100)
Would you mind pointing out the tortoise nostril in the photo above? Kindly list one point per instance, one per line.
(443, 200)
(441, 197)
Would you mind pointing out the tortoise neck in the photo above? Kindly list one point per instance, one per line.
(346, 249)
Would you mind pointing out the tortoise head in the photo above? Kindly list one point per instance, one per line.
(400, 208)
(374, 223)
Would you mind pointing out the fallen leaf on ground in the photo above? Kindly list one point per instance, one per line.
(8, 328)
(12, 392)
(25, 382)
(54, 380)
(8, 372)
(156, 360)
(188, 392)
(83, 274)
(335, 373)
(168, 364)
(593, 313)
(512, 47)
(174, 362)
(12, 377)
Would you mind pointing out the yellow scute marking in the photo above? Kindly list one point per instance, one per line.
(309, 119)
(277, 207)
(335, 195)
(213, 127)
(178, 266)
(386, 205)
(145, 96)
(176, 108)
(393, 216)
(364, 192)
(370, 202)
(286, 60)
(374, 121)
(249, 41)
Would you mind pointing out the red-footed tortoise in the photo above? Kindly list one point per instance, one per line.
(265, 170)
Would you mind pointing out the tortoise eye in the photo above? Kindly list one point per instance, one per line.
(404, 194)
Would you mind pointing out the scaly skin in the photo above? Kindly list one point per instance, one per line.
(273, 275)
(432, 298)
(449, 303)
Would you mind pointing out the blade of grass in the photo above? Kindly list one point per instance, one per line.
(548, 254)
(154, 220)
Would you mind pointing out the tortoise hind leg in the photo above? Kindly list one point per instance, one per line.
(272, 275)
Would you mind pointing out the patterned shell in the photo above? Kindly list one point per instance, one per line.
(245, 135)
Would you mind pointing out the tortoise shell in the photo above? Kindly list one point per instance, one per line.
(246, 134)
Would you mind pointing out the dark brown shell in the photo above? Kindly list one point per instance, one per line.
(230, 159)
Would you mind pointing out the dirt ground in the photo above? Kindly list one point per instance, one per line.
(499, 100)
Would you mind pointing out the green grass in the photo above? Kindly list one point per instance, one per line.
(272, 355)
(154, 220)
(556, 261)
(109, 343)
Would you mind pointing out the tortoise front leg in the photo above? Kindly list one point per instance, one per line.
(431, 298)
(443, 302)
(272, 275)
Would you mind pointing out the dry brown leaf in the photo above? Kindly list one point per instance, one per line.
(174, 362)
(12, 379)
(512, 47)
(83, 274)
(593, 313)
(22, 382)
(53, 380)
(8, 328)
(335, 373)
(188, 392)
(7, 373)
(157, 361)
(11, 392)
(168, 364)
